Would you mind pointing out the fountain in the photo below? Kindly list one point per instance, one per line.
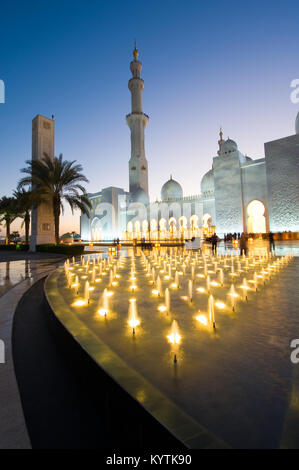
(133, 319)
(76, 285)
(232, 273)
(174, 338)
(159, 286)
(255, 280)
(245, 288)
(190, 290)
(86, 292)
(221, 277)
(111, 277)
(212, 311)
(233, 296)
(177, 279)
(167, 299)
(104, 309)
(205, 268)
(93, 277)
(208, 282)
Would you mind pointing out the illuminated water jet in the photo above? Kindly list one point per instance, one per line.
(133, 319)
(212, 311)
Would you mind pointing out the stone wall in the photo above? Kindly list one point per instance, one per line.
(228, 193)
(282, 169)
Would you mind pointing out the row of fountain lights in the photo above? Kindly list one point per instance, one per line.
(99, 267)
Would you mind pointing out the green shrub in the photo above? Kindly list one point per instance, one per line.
(8, 247)
(68, 250)
(21, 247)
(17, 247)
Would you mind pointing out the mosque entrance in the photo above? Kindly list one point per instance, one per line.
(256, 220)
(208, 229)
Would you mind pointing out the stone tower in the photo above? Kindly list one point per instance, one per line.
(42, 220)
(137, 121)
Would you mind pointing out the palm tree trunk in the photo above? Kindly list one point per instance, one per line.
(7, 231)
(56, 210)
(27, 226)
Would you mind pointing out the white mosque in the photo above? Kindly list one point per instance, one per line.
(238, 194)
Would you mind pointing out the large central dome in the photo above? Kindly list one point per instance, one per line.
(171, 190)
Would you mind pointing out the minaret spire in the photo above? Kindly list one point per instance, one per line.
(220, 141)
(135, 52)
(137, 121)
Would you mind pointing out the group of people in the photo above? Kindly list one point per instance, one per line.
(243, 242)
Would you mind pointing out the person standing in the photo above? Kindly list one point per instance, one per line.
(243, 244)
(271, 242)
(214, 243)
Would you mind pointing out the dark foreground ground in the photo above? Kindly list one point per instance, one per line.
(68, 401)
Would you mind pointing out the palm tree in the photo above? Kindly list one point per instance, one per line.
(57, 181)
(8, 213)
(26, 199)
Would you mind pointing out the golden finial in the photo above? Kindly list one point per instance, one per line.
(221, 133)
(135, 52)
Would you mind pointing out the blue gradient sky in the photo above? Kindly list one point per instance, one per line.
(205, 64)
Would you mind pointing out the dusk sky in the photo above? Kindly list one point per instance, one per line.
(206, 64)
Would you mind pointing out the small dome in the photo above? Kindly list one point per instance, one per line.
(139, 195)
(229, 146)
(297, 124)
(171, 190)
(207, 183)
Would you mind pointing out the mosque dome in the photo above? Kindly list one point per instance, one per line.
(228, 146)
(297, 124)
(139, 195)
(171, 190)
(207, 183)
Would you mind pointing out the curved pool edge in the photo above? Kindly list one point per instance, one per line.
(165, 411)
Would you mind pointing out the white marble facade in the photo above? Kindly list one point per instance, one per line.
(238, 194)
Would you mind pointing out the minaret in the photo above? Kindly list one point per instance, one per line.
(137, 121)
(221, 141)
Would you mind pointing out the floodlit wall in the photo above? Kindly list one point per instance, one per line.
(282, 170)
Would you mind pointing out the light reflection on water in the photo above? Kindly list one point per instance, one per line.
(235, 381)
(14, 272)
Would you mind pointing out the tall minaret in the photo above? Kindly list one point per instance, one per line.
(137, 120)
(221, 141)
